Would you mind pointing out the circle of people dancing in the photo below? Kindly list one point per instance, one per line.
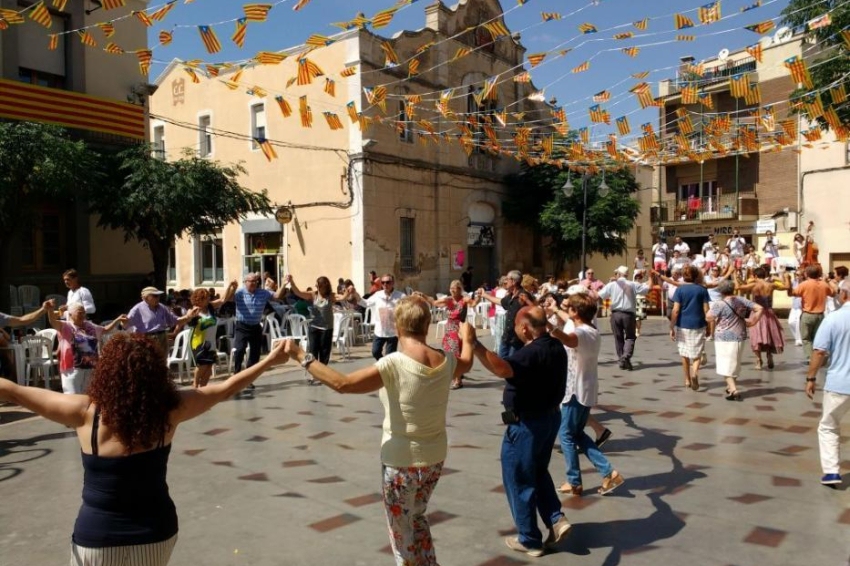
(125, 407)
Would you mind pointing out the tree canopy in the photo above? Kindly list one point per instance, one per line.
(832, 65)
(40, 164)
(159, 201)
(536, 200)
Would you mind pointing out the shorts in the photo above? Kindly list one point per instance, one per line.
(659, 265)
(710, 263)
(737, 262)
(204, 355)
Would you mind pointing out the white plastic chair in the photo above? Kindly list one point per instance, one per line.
(299, 329)
(441, 329)
(342, 335)
(482, 312)
(14, 301)
(271, 330)
(28, 295)
(39, 359)
(228, 324)
(60, 299)
(367, 327)
(181, 356)
(472, 317)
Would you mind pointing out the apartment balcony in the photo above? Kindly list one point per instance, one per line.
(713, 75)
(95, 116)
(675, 212)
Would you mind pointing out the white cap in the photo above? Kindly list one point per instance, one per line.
(623, 270)
(576, 290)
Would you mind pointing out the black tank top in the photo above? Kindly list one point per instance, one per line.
(125, 498)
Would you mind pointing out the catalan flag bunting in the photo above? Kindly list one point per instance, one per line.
(330, 87)
(739, 85)
(348, 72)
(550, 16)
(60, 4)
(413, 67)
(269, 58)
(496, 28)
(256, 12)
(461, 52)
(535, 59)
(333, 120)
(631, 51)
(799, 71)
(53, 42)
(307, 71)
(112, 4)
(642, 24)
(160, 14)
(86, 38)
(581, 68)
(107, 28)
(624, 35)
(383, 18)
(210, 39)
(266, 147)
(284, 106)
(306, 112)
(353, 115)
(761, 28)
(709, 13)
(165, 37)
(755, 51)
(144, 18)
(587, 28)
(239, 33)
(390, 56)
(753, 6)
(706, 100)
(41, 15)
(300, 4)
(11, 17)
(682, 21)
(838, 94)
(144, 56)
(603, 96)
(192, 74)
(316, 40)
(113, 49)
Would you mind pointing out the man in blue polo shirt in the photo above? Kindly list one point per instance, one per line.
(251, 301)
(833, 340)
(535, 382)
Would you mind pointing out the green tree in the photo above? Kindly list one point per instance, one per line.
(832, 66)
(159, 201)
(39, 163)
(535, 199)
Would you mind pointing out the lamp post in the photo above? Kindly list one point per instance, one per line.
(568, 189)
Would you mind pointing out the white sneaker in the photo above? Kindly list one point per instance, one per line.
(558, 531)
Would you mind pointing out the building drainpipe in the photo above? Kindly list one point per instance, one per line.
(737, 167)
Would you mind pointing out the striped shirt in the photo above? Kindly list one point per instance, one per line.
(250, 306)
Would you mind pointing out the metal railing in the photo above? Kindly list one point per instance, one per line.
(695, 209)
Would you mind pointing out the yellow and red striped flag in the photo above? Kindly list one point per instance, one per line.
(686, 38)
(602, 96)
(307, 71)
(599, 115)
(581, 68)
(413, 67)
(160, 14)
(306, 112)
(831, 117)
(353, 115)
(144, 56)
(497, 29)
(753, 96)
(686, 126)
(240, 32)
(623, 126)
(210, 39)
(587, 28)
(165, 37)
(535, 59)
(813, 106)
(709, 13)
(383, 18)
(706, 100)
(641, 24)
(192, 74)
(266, 147)
(845, 35)
(761, 28)
(11, 17)
(257, 91)
(333, 120)
(461, 52)
(107, 28)
(682, 21)
(812, 135)
(113, 49)
(624, 35)
(86, 38)
(284, 106)
(269, 58)
(838, 94)
(390, 56)
(689, 94)
(631, 51)
(549, 16)
(316, 40)
(523, 77)
(300, 4)
(256, 12)
(330, 87)
(348, 72)
(60, 4)
(755, 51)
(799, 71)
(641, 75)
(41, 15)
(738, 86)
(212, 70)
(143, 17)
(54, 42)
(112, 4)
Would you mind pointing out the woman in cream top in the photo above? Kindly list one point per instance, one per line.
(414, 390)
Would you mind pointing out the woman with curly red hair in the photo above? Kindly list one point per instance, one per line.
(125, 425)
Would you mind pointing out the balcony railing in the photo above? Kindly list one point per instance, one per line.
(695, 210)
(713, 75)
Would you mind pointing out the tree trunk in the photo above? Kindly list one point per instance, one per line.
(5, 271)
(159, 255)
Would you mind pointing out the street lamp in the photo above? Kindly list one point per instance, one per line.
(568, 190)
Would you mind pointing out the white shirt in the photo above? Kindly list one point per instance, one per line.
(682, 248)
(659, 252)
(770, 249)
(582, 371)
(501, 294)
(709, 250)
(678, 262)
(82, 295)
(383, 312)
(736, 246)
(622, 293)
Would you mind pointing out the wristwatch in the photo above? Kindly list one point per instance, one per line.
(811, 379)
(308, 359)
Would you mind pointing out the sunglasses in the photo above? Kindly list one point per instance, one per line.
(386, 282)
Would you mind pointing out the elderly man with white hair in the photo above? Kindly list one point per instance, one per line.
(78, 339)
(623, 294)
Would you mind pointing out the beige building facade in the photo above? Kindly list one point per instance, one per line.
(394, 192)
(70, 86)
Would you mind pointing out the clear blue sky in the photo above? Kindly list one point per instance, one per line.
(609, 70)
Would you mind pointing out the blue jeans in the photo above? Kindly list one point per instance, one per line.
(526, 450)
(573, 420)
(506, 349)
(378, 346)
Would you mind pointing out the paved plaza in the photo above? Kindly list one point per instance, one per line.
(292, 477)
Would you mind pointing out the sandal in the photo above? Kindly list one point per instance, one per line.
(576, 490)
(733, 395)
(695, 383)
(456, 384)
(611, 482)
(770, 361)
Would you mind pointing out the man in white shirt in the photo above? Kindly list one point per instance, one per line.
(623, 294)
(683, 248)
(659, 255)
(678, 261)
(736, 246)
(709, 252)
(76, 292)
(582, 345)
(383, 305)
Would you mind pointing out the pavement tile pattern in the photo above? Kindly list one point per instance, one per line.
(292, 476)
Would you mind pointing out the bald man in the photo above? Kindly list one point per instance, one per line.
(535, 382)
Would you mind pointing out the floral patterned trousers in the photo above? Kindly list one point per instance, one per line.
(406, 495)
